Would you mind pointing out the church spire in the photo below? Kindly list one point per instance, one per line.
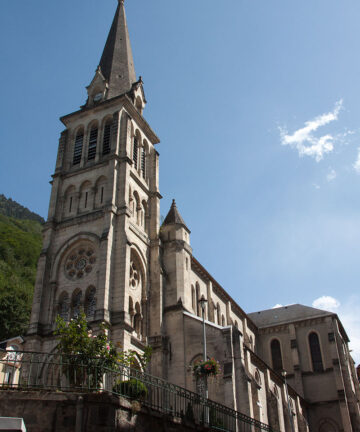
(117, 64)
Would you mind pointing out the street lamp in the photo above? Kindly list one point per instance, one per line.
(202, 303)
(283, 373)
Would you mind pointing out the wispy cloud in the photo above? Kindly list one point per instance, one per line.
(304, 140)
(349, 313)
(331, 175)
(356, 164)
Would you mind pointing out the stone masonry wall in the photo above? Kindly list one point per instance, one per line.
(70, 412)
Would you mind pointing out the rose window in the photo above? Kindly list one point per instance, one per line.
(135, 277)
(80, 262)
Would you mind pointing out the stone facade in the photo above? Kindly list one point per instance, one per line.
(105, 252)
(71, 412)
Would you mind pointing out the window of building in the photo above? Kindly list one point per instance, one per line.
(92, 143)
(79, 140)
(135, 153)
(276, 356)
(64, 306)
(106, 139)
(90, 302)
(315, 351)
(197, 297)
(76, 304)
(143, 162)
(193, 300)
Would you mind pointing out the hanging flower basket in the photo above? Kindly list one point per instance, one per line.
(206, 368)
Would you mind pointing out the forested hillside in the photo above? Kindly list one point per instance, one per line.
(11, 208)
(20, 245)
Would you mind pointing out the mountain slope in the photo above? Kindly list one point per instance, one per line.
(11, 208)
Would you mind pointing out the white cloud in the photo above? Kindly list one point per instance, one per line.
(349, 314)
(327, 303)
(304, 141)
(356, 165)
(331, 175)
(316, 186)
(277, 306)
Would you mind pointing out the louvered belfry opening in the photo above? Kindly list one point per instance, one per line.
(135, 153)
(143, 163)
(79, 140)
(92, 143)
(106, 139)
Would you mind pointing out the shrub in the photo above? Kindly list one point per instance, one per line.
(133, 388)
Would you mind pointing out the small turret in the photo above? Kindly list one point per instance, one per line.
(175, 236)
(174, 227)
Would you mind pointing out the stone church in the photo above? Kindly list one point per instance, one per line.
(105, 252)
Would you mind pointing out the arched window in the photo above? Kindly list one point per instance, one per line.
(78, 146)
(100, 189)
(197, 297)
(315, 351)
(236, 324)
(328, 426)
(107, 138)
(143, 162)
(144, 215)
(223, 320)
(218, 313)
(85, 196)
(76, 304)
(135, 152)
(131, 310)
(193, 300)
(257, 377)
(138, 321)
(90, 302)
(93, 137)
(276, 356)
(69, 201)
(137, 206)
(63, 308)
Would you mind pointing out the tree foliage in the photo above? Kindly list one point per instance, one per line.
(20, 246)
(88, 353)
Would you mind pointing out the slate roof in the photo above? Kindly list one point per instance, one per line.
(174, 217)
(282, 315)
(117, 64)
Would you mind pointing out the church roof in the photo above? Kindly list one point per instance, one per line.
(285, 314)
(117, 64)
(174, 217)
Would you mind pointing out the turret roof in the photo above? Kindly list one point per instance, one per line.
(174, 217)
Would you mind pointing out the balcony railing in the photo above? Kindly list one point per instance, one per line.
(31, 371)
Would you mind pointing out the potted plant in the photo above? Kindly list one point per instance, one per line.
(206, 368)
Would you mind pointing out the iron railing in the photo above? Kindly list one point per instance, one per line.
(31, 371)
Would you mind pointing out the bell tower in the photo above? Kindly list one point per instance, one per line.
(100, 242)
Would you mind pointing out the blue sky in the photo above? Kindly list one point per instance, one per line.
(257, 106)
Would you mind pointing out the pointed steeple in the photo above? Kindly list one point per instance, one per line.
(174, 217)
(117, 64)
